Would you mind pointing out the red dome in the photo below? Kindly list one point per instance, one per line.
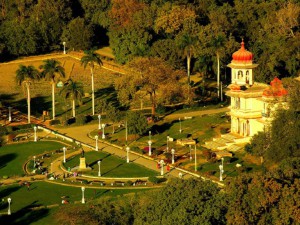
(242, 55)
(275, 90)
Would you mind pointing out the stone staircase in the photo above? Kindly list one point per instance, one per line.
(230, 142)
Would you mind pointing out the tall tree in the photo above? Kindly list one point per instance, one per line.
(25, 75)
(74, 91)
(90, 59)
(52, 71)
(187, 43)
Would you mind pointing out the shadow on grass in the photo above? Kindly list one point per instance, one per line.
(4, 159)
(25, 215)
(107, 172)
(4, 194)
(96, 161)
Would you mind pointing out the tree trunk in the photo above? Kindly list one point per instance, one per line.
(28, 102)
(113, 131)
(188, 59)
(73, 108)
(93, 92)
(152, 99)
(53, 100)
(218, 74)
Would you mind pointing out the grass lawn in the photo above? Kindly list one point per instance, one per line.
(45, 194)
(12, 157)
(111, 166)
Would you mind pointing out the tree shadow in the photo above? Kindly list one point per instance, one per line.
(96, 161)
(7, 98)
(4, 159)
(5, 193)
(26, 215)
(161, 128)
(109, 94)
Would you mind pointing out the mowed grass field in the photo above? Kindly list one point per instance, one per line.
(11, 94)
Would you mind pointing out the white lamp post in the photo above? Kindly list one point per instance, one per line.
(162, 167)
(127, 154)
(33, 162)
(191, 157)
(64, 149)
(222, 161)
(221, 172)
(96, 138)
(150, 143)
(8, 211)
(173, 152)
(82, 200)
(99, 118)
(195, 160)
(99, 172)
(126, 131)
(180, 130)
(64, 43)
(168, 143)
(103, 132)
(150, 135)
(35, 136)
(9, 114)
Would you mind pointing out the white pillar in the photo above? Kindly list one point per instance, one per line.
(221, 172)
(64, 149)
(162, 167)
(99, 172)
(64, 43)
(180, 130)
(9, 114)
(103, 132)
(127, 154)
(190, 152)
(173, 152)
(96, 138)
(195, 159)
(99, 118)
(33, 162)
(168, 143)
(8, 211)
(150, 151)
(83, 199)
(35, 136)
(150, 135)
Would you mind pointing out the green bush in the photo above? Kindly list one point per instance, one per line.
(160, 109)
(5, 177)
(3, 130)
(154, 180)
(129, 183)
(136, 149)
(81, 120)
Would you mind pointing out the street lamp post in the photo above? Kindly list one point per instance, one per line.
(99, 118)
(173, 152)
(9, 114)
(168, 137)
(96, 138)
(35, 136)
(180, 130)
(103, 132)
(221, 172)
(150, 135)
(33, 162)
(150, 152)
(195, 159)
(222, 159)
(99, 172)
(8, 211)
(64, 43)
(82, 200)
(191, 157)
(127, 154)
(162, 167)
(64, 149)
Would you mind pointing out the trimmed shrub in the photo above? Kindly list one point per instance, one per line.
(81, 120)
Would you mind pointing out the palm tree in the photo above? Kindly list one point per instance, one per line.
(52, 71)
(72, 90)
(91, 58)
(25, 75)
(217, 43)
(187, 43)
